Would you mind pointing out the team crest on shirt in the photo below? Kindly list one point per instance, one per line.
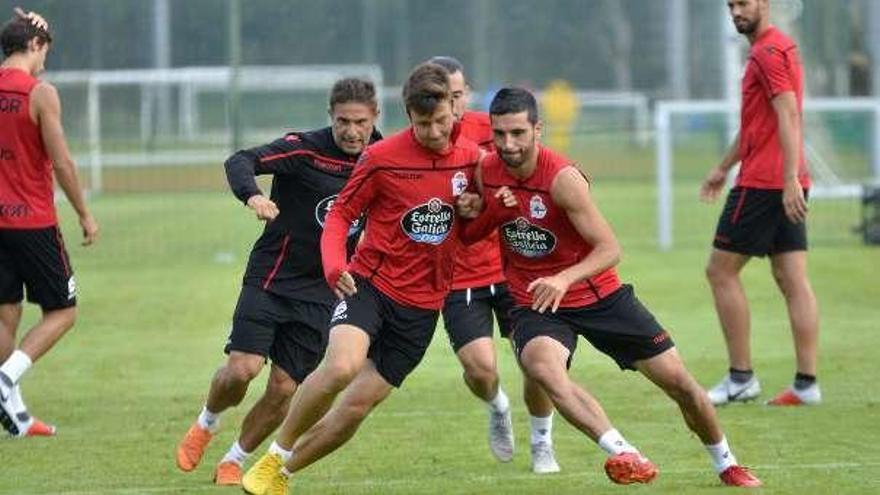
(527, 239)
(459, 183)
(322, 209)
(429, 223)
(537, 208)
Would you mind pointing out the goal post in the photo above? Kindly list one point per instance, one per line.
(827, 183)
(123, 103)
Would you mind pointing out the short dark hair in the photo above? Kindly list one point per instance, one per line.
(18, 32)
(451, 64)
(426, 87)
(514, 100)
(353, 90)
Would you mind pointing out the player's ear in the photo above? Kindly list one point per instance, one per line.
(539, 129)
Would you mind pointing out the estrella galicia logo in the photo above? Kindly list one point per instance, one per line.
(322, 209)
(429, 223)
(459, 183)
(527, 239)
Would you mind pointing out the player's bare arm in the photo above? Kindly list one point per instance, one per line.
(46, 112)
(716, 178)
(789, 124)
(571, 192)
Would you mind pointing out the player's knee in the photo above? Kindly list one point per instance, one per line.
(355, 411)
(481, 371)
(242, 371)
(280, 387)
(715, 273)
(681, 388)
(338, 374)
(542, 372)
(64, 318)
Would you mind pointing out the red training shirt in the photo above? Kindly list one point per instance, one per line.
(27, 192)
(539, 239)
(479, 264)
(773, 67)
(409, 195)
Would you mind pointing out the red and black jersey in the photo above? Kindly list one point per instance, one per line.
(27, 191)
(539, 239)
(309, 171)
(479, 264)
(409, 195)
(773, 67)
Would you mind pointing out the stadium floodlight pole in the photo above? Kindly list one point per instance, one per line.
(234, 94)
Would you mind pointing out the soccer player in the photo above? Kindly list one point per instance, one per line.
(478, 291)
(560, 255)
(284, 305)
(766, 210)
(32, 252)
(394, 287)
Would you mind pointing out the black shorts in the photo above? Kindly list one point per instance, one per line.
(467, 314)
(399, 335)
(754, 223)
(36, 259)
(619, 326)
(293, 334)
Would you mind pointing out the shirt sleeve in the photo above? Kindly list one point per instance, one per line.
(353, 200)
(492, 216)
(278, 157)
(775, 66)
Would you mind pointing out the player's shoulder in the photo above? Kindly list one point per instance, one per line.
(551, 158)
(772, 45)
(389, 149)
(475, 118)
(492, 167)
(320, 140)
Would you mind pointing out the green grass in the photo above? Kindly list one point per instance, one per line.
(157, 293)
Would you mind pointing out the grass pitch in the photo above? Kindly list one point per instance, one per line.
(157, 293)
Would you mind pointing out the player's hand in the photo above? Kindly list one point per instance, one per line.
(507, 197)
(793, 201)
(547, 292)
(345, 285)
(35, 19)
(265, 208)
(469, 205)
(713, 184)
(89, 228)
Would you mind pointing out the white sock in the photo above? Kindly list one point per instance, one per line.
(613, 443)
(208, 420)
(16, 365)
(277, 449)
(722, 456)
(16, 401)
(500, 403)
(542, 429)
(236, 454)
(285, 472)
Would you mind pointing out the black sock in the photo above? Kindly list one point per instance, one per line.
(740, 376)
(803, 381)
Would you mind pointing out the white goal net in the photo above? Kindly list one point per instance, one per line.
(125, 125)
